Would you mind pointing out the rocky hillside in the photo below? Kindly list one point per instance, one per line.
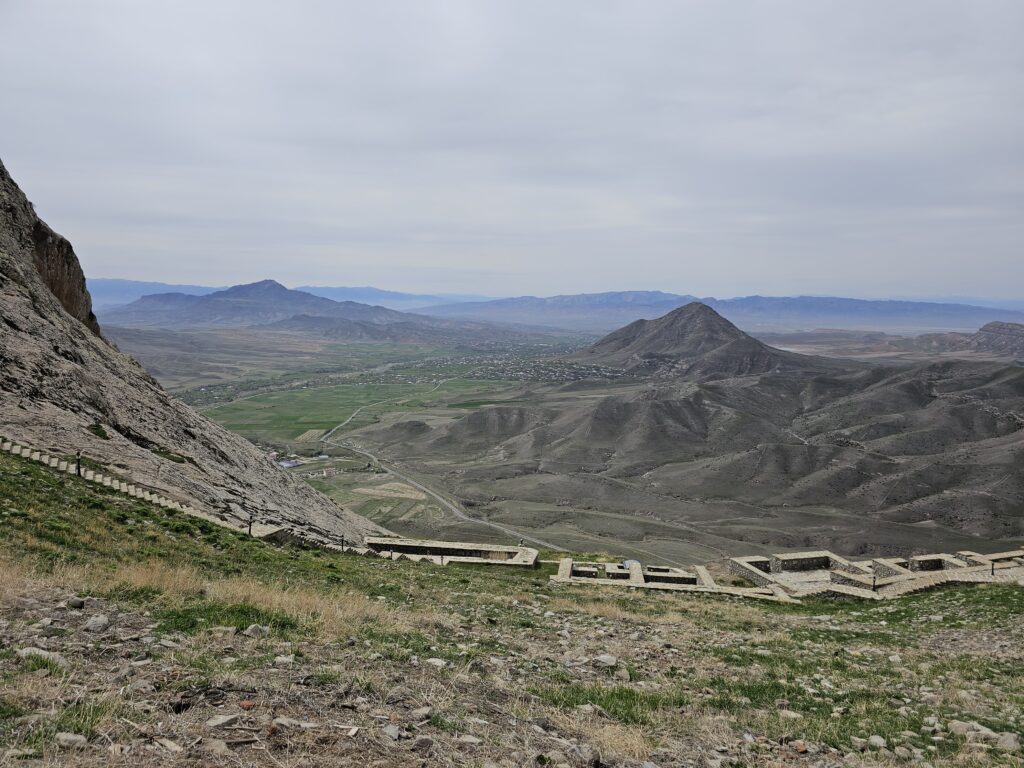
(64, 388)
(996, 339)
(693, 340)
(889, 459)
(1000, 338)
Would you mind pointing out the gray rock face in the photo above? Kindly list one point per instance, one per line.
(59, 377)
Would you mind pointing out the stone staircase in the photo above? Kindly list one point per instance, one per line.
(969, 575)
(833, 589)
(919, 584)
(107, 481)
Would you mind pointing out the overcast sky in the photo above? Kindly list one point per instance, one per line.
(869, 148)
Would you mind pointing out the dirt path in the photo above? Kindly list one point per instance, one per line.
(451, 506)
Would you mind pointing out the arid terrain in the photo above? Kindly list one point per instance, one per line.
(132, 635)
(506, 384)
(137, 632)
(679, 439)
(715, 442)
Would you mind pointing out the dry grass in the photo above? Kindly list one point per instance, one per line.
(668, 610)
(175, 582)
(629, 741)
(15, 578)
(608, 610)
(325, 614)
(330, 614)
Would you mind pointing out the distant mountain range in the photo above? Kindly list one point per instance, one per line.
(113, 292)
(270, 305)
(602, 312)
(240, 306)
(390, 299)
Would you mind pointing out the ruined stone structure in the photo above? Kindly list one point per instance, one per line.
(784, 577)
(787, 577)
(445, 552)
(633, 574)
(826, 574)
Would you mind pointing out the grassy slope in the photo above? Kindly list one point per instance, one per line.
(696, 666)
(50, 519)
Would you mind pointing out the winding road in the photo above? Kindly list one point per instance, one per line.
(448, 504)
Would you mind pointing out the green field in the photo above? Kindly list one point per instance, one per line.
(278, 418)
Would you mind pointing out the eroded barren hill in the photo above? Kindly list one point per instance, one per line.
(722, 442)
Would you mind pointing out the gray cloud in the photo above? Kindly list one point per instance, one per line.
(869, 148)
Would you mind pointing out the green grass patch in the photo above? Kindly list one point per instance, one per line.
(402, 646)
(205, 614)
(442, 723)
(9, 710)
(83, 717)
(36, 663)
(172, 456)
(622, 703)
(98, 430)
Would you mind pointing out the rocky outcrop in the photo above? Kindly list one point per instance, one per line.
(1005, 339)
(63, 388)
(997, 340)
(57, 264)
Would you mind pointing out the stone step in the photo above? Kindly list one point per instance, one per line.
(704, 577)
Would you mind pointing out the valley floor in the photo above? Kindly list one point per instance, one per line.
(162, 639)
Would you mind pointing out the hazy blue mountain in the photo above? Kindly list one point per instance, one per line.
(593, 312)
(270, 305)
(1015, 304)
(390, 299)
(112, 292)
(808, 312)
(242, 305)
(608, 311)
